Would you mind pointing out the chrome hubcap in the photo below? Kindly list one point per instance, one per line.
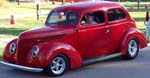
(132, 47)
(58, 65)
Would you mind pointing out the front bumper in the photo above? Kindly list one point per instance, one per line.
(25, 68)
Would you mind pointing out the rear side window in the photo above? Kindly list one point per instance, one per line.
(115, 14)
(93, 18)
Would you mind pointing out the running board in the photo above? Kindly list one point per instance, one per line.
(101, 58)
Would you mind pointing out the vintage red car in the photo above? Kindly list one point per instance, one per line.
(75, 35)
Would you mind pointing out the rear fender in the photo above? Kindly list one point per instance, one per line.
(132, 33)
(142, 39)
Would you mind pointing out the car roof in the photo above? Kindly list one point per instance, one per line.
(89, 5)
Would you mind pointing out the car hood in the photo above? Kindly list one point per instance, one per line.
(45, 31)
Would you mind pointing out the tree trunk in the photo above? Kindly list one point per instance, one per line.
(18, 1)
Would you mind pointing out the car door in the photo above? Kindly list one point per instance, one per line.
(93, 40)
(117, 25)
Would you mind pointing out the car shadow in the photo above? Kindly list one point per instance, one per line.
(25, 74)
(101, 64)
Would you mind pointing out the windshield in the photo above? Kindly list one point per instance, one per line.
(64, 18)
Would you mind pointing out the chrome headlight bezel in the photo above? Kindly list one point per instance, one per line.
(35, 50)
(12, 48)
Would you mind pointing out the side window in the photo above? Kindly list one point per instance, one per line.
(115, 14)
(111, 15)
(93, 18)
(120, 14)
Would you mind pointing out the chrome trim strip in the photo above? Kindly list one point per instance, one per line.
(22, 67)
(93, 60)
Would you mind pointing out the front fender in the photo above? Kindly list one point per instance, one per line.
(7, 56)
(49, 51)
(132, 33)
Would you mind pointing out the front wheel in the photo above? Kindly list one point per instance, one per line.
(58, 65)
(132, 49)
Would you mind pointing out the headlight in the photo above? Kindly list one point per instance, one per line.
(35, 50)
(12, 48)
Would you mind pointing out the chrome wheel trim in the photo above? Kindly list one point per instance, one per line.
(58, 65)
(132, 47)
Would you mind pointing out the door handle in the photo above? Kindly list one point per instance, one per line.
(107, 30)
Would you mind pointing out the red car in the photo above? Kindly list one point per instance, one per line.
(75, 35)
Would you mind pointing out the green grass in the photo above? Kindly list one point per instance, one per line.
(142, 4)
(137, 14)
(1, 52)
(139, 18)
(8, 8)
(22, 24)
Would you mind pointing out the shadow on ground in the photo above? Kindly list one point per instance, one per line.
(69, 72)
(11, 31)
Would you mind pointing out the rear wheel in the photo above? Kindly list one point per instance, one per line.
(58, 65)
(132, 49)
